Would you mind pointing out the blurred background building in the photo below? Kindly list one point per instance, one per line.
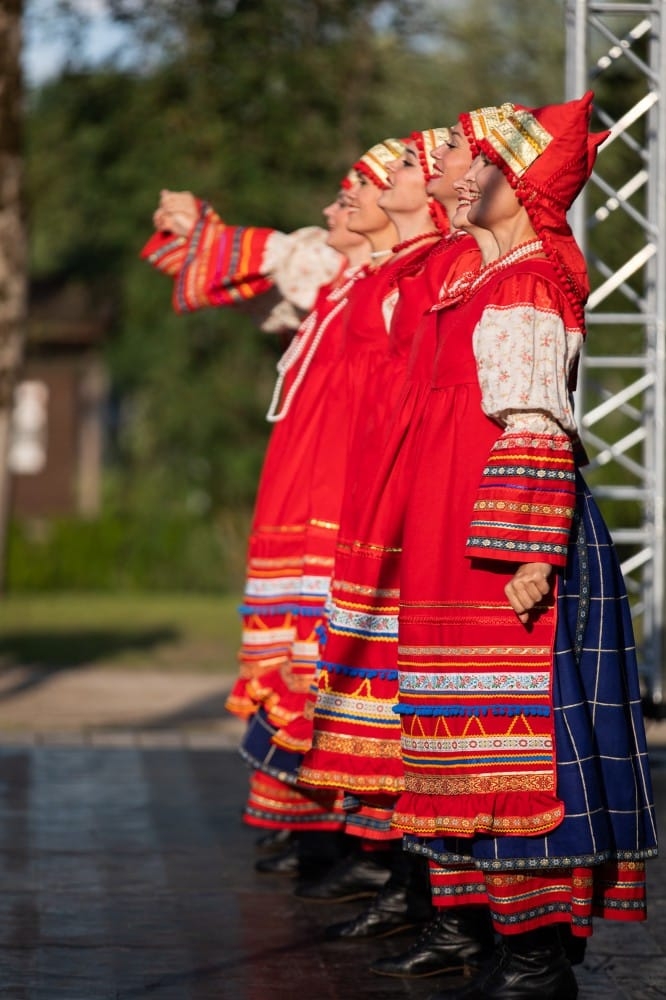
(58, 424)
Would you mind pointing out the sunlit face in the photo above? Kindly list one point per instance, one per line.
(451, 161)
(467, 194)
(365, 215)
(407, 191)
(495, 203)
(339, 236)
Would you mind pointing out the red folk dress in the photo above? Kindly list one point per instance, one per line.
(350, 401)
(290, 560)
(290, 551)
(294, 529)
(475, 697)
(356, 741)
(526, 772)
(277, 277)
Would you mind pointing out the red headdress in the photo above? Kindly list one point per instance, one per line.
(426, 142)
(373, 164)
(547, 154)
(348, 180)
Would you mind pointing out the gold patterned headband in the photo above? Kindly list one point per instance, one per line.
(375, 161)
(515, 134)
(434, 137)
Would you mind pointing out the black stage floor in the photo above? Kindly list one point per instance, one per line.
(126, 873)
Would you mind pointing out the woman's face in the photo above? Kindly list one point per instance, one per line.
(407, 191)
(451, 161)
(494, 202)
(364, 214)
(339, 236)
(467, 194)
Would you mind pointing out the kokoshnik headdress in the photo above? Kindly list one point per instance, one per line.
(547, 154)
(426, 142)
(348, 180)
(374, 163)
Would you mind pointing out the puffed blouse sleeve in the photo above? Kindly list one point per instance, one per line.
(526, 346)
(225, 265)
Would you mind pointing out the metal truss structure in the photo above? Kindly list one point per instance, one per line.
(617, 49)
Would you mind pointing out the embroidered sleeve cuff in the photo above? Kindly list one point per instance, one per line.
(223, 265)
(165, 252)
(525, 502)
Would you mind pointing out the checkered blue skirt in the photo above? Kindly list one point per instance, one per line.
(603, 774)
(260, 753)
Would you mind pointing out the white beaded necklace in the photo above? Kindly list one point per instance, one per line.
(298, 347)
(468, 283)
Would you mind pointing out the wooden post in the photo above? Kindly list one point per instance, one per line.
(13, 243)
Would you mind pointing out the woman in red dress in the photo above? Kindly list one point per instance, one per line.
(356, 743)
(526, 774)
(369, 362)
(289, 552)
(215, 264)
(278, 733)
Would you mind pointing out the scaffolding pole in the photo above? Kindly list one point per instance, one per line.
(616, 49)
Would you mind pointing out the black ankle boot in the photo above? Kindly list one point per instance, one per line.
(403, 903)
(273, 841)
(306, 854)
(318, 852)
(523, 967)
(284, 862)
(354, 877)
(456, 940)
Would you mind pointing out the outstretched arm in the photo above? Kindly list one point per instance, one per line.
(215, 264)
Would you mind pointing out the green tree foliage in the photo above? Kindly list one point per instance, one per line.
(259, 106)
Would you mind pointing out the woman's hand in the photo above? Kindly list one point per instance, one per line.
(176, 213)
(529, 585)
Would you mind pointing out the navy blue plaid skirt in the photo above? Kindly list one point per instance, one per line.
(603, 774)
(258, 750)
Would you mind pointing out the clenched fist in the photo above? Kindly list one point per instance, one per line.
(530, 583)
(176, 213)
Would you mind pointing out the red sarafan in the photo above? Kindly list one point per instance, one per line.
(526, 777)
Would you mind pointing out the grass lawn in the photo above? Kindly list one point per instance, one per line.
(183, 632)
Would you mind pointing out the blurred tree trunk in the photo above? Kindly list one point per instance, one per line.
(13, 280)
